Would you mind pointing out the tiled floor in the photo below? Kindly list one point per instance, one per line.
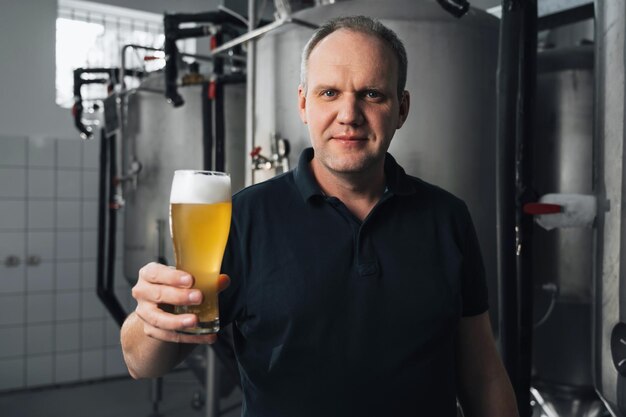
(114, 398)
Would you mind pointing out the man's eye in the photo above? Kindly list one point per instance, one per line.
(373, 94)
(329, 93)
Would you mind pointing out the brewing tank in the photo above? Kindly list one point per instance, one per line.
(563, 258)
(449, 137)
(161, 138)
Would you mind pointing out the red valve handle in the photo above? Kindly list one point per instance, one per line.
(211, 92)
(255, 152)
(151, 58)
(542, 208)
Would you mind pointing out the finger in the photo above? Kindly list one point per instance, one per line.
(175, 337)
(164, 294)
(162, 274)
(223, 281)
(157, 318)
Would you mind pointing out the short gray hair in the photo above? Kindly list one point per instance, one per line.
(361, 24)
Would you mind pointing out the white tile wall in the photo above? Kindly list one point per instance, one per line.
(12, 373)
(89, 215)
(88, 275)
(68, 214)
(92, 364)
(68, 246)
(39, 370)
(90, 185)
(91, 154)
(40, 277)
(39, 308)
(68, 336)
(67, 367)
(68, 276)
(114, 362)
(53, 327)
(68, 305)
(111, 333)
(41, 152)
(41, 214)
(69, 153)
(41, 244)
(12, 311)
(39, 339)
(13, 214)
(68, 184)
(40, 183)
(13, 339)
(13, 151)
(12, 278)
(92, 334)
(91, 306)
(13, 182)
(90, 244)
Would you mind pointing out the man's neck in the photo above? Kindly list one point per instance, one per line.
(358, 191)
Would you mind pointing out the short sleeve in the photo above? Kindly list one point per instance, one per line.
(474, 284)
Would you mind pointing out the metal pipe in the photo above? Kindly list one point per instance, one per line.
(252, 34)
(212, 391)
(105, 287)
(250, 86)
(516, 72)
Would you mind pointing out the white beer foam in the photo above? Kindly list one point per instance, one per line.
(200, 187)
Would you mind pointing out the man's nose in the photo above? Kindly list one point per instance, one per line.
(349, 111)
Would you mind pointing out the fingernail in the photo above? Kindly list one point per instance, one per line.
(188, 321)
(185, 280)
(195, 296)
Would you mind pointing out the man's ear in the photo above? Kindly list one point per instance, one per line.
(403, 111)
(302, 103)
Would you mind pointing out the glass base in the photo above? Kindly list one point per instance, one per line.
(208, 327)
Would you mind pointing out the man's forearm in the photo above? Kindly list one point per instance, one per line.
(494, 398)
(146, 357)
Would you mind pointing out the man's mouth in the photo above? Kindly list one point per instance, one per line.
(349, 138)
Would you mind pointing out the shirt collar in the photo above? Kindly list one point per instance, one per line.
(398, 182)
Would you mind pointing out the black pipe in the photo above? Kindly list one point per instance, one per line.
(113, 305)
(526, 194)
(171, 73)
(456, 8)
(207, 127)
(102, 200)
(220, 151)
(105, 278)
(173, 32)
(516, 83)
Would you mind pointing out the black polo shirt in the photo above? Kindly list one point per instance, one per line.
(338, 317)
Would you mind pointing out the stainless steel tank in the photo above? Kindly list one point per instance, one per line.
(609, 333)
(449, 137)
(563, 258)
(162, 139)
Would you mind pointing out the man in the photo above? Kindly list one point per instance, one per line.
(355, 289)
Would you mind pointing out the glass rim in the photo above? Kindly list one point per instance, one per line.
(202, 172)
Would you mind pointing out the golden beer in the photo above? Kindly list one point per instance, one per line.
(200, 212)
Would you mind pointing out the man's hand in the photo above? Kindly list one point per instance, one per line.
(158, 288)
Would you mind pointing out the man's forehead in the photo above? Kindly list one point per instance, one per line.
(348, 50)
(343, 36)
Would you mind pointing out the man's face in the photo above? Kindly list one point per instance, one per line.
(351, 104)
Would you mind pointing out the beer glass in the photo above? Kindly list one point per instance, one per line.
(200, 211)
